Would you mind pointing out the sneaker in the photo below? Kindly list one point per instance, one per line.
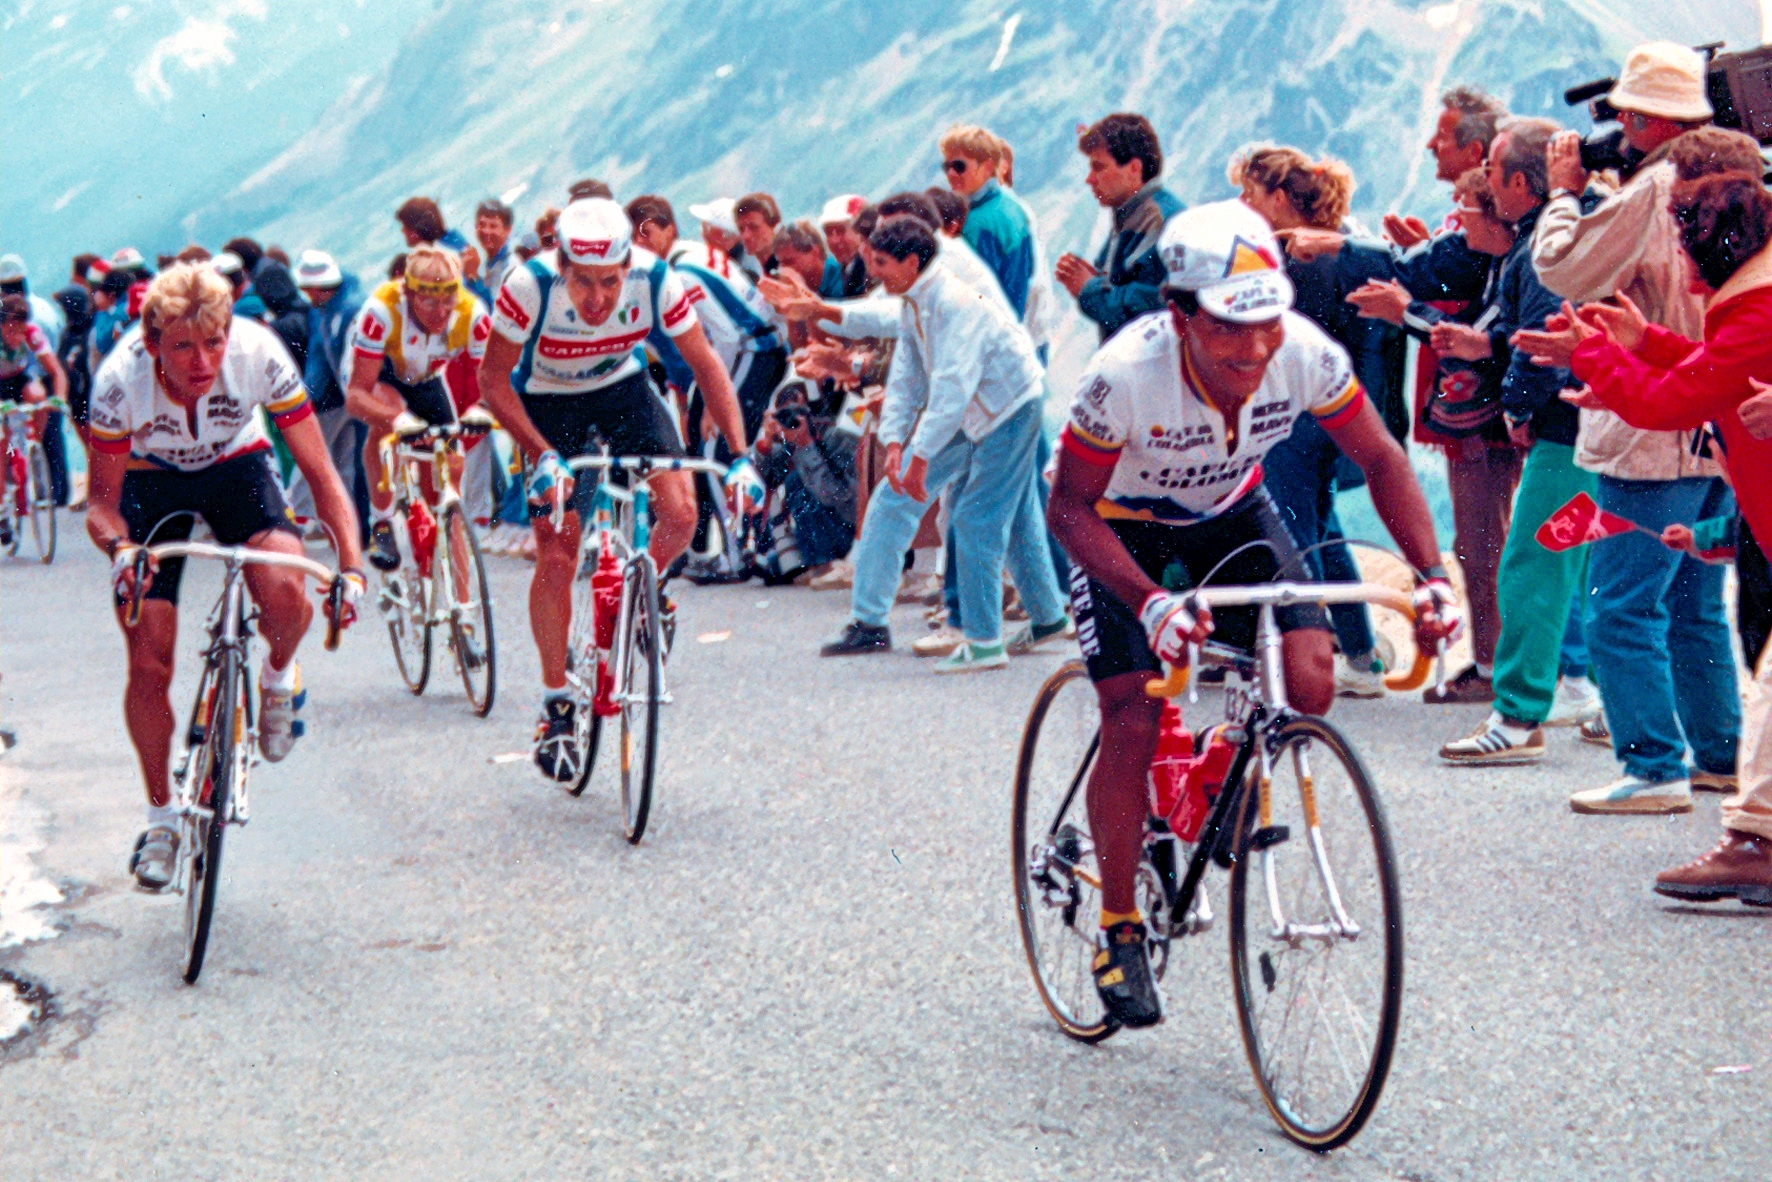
(1703, 781)
(1574, 705)
(1497, 744)
(919, 589)
(1468, 687)
(384, 552)
(1359, 679)
(839, 576)
(1740, 867)
(1123, 976)
(1630, 795)
(939, 643)
(5, 532)
(556, 752)
(971, 657)
(278, 726)
(1029, 637)
(1595, 731)
(857, 639)
(155, 856)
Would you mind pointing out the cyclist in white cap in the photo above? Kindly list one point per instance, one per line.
(563, 370)
(1159, 480)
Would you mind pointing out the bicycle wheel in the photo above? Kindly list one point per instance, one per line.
(405, 604)
(203, 830)
(1316, 930)
(41, 496)
(1057, 883)
(470, 620)
(637, 686)
(581, 667)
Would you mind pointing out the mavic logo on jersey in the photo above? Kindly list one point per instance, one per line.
(511, 310)
(1247, 257)
(596, 248)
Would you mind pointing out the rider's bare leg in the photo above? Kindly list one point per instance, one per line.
(147, 702)
(550, 595)
(1118, 793)
(281, 594)
(673, 506)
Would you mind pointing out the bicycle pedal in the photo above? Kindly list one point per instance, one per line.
(1269, 837)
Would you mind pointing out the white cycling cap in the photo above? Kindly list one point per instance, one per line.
(1227, 255)
(719, 213)
(594, 231)
(228, 263)
(841, 209)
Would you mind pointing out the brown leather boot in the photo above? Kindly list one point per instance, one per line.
(1739, 867)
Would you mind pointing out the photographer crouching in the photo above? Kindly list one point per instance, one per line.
(799, 451)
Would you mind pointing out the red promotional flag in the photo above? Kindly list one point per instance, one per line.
(1580, 522)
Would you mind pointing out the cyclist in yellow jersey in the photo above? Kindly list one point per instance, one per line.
(408, 331)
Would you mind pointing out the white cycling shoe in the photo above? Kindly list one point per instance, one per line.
(278, 724)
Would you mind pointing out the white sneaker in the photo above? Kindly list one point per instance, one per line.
(1352, 681)
(1630, 795)
(839, 577)
(939, 643)
(1574, 704)
(1496, 743)
(278, 726)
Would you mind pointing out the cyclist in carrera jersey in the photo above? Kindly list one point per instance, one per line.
(176, 434)
(408, 331)
(21, 342)
(1159, 480)
(562, 370)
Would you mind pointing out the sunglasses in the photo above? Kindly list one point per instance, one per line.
(957, 167)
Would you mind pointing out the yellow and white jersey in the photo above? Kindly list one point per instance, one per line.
(387, 330)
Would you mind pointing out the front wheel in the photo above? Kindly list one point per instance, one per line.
(638, 686)
(204, 826)
(405, 602)
(40, 494)
(1316, 935)
(1057, 879)
(470, 619)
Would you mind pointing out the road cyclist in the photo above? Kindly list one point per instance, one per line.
(23, 343)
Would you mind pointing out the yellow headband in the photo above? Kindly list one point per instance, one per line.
(432, 287)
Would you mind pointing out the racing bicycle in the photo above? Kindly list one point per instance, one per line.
(209, 779)
(1315, 909)
(25, 486)
(620, 637)
(437, 588)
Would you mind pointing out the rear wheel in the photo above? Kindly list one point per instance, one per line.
(638, 685)
(1057, 879)
(405, 604)
(1316, 932)
(203, 829)
(40, 491)
(470, 626)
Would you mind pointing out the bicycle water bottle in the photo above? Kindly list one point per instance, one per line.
(606, 597)
(421, 527)
(1204, 781)
(1171, 763)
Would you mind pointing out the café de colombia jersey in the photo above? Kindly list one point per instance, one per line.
(564, 355)
(1166, 443)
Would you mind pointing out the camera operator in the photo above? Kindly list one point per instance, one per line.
(1650, 606)
(814, 466)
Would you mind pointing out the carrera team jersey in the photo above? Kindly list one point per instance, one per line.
(133, 415)
(386, 329)
(564, 355)
(1168, 446)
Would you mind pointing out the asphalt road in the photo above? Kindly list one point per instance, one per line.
(430, 964)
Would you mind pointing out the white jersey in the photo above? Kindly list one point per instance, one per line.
(1174, 457)
(564, 355)
(733, 312)
(133, 415)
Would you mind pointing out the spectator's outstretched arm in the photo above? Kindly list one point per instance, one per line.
(1444, 268)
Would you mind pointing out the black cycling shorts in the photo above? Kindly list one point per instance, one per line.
(429, 399)
(239, 498)
(629, 418)
(12, 387)
(1178, 557)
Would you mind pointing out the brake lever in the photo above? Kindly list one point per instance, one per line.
(138, 588)
(1440, 667)
(1193, 684)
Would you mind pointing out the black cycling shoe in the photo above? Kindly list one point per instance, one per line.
(1123, 976)
(556, 754)
(384, 552)
(857, 638)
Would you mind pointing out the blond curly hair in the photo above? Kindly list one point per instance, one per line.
(192, 292)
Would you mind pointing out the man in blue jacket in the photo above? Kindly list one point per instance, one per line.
(1124, 164)
(334, 299)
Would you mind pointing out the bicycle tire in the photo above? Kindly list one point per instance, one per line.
(644, 651)
(581, 650)
(40, 495)
(9, 505)
(205, 833)
(405, 601)
(473, 622)
(1346, 836)
(1048, 798)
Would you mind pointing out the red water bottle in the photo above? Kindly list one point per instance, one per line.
(606, 597)
(421, 527)
(1170, 765)
(1205, 779)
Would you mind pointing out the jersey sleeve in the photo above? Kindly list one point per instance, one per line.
(676, 304)
(1332, 392)
(517, 306)
(276, 383)
(35, 340)
(369, 339)
(109, 419)
(479, 332)
(1100, 420)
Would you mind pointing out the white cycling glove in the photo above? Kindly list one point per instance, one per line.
(1169, 624)
(550, 473)
(1436, 592)
(742, 477)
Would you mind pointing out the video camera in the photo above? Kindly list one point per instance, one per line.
(1740, 90)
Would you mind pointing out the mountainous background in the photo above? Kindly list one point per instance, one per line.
(305, 123)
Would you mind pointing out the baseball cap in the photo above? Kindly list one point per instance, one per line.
(1226, 254)
(594, 231)
(1664, 80)
(316, 268)
(841, 209)
(128, 259)
(228, 263)
(12, 268)
(718, 213)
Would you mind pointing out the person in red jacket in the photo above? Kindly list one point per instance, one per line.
(1656, 379)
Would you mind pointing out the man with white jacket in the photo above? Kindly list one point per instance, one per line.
(968, 367)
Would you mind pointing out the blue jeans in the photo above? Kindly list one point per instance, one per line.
(1659, 636)
(996, 520)
(1061, 563)
(820, 533)
(1575, 661)
(1300, 475)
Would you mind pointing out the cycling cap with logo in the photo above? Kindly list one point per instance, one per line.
(718, 213)
(594, 231)
(841, 209)
(316, 268)
(1226, 254)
